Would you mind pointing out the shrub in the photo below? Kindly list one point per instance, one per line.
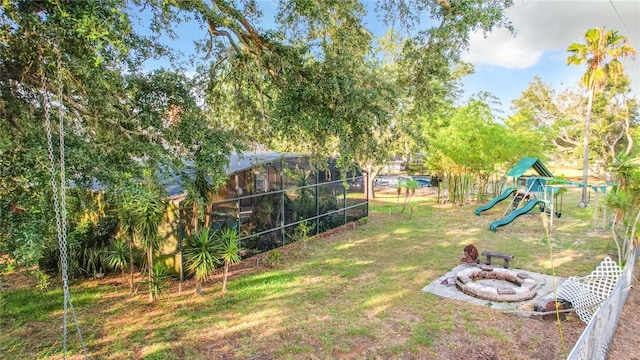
(274, 258)
(157, 282)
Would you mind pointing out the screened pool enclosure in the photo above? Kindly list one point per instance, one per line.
(270, 197)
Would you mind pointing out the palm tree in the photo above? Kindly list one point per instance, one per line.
(201, 255)
(127, 222)
(149, 211)
(229, 251)
(199, 198)
(410, 189)
(303, 202)
(601, 52)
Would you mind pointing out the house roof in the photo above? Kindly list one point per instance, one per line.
(237, 163)
(244, 161)
(527, 163)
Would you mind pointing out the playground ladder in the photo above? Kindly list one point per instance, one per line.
(509, 208)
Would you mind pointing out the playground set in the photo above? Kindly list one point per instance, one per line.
(529, 192)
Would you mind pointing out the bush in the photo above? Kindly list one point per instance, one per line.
(274, 258)
(159, 277)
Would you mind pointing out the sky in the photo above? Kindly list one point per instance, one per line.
(506, 63)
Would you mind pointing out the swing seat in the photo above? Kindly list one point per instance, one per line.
(556, 213)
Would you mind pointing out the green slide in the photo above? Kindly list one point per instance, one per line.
(514, 214)
(495, 200)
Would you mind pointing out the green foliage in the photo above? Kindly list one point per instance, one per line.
(229, 246)
(312, 83)
(43, 281)
(118, 256)
(149, 210)
(302, 201)
(301, 233)
(470, 144)
(602, 52)
(149, 217)
(85, 57)
(95, 261)
(536, 112)
(557, 121)
(157, 281)
(558, 179)
(376, 276)
(229, 251)
(201, 252)
(410, 185)
(274, 258)
(430, 59)
(624, 201)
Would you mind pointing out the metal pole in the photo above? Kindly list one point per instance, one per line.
(366, 189)
(180, 239)
(282, 230)
(317, 201)
(344, 195)
(237, 202)
(552, 212)
(595, 211)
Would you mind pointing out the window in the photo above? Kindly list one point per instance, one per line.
(262, 185)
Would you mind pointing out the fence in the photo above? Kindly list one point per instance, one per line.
(272, 219)
(597, 337)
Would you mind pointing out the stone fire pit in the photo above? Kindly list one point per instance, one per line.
(522, 287)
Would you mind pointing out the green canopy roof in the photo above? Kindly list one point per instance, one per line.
(527, 163)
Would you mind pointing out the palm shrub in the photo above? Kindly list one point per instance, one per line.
(149, 212)
(127, 221)
(626, 216)
(157, 280)
(624, 202)
(229, 251)
(95, 261)
(303, 202)
(201, 255)
(119, 256)
(410, 189)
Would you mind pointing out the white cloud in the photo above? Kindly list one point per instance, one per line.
(547, 26)
(502, 49)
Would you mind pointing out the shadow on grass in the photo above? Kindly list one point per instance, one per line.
(356, 290)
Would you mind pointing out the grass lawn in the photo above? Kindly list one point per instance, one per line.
(353, 295)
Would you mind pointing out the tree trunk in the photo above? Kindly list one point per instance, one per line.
(150, 262)
(194, 220)
(199, 287)
(224, 276)
(585, 163)
(207, 216)
(631, 242)
(627, 126)
(131, 260)
(372, 174)
(187, 226)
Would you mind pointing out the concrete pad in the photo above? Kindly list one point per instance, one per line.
(445, 286)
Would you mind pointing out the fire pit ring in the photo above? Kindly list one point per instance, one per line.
(466, 282)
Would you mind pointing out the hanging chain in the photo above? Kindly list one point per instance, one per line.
(59, 203)
(63, 195)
